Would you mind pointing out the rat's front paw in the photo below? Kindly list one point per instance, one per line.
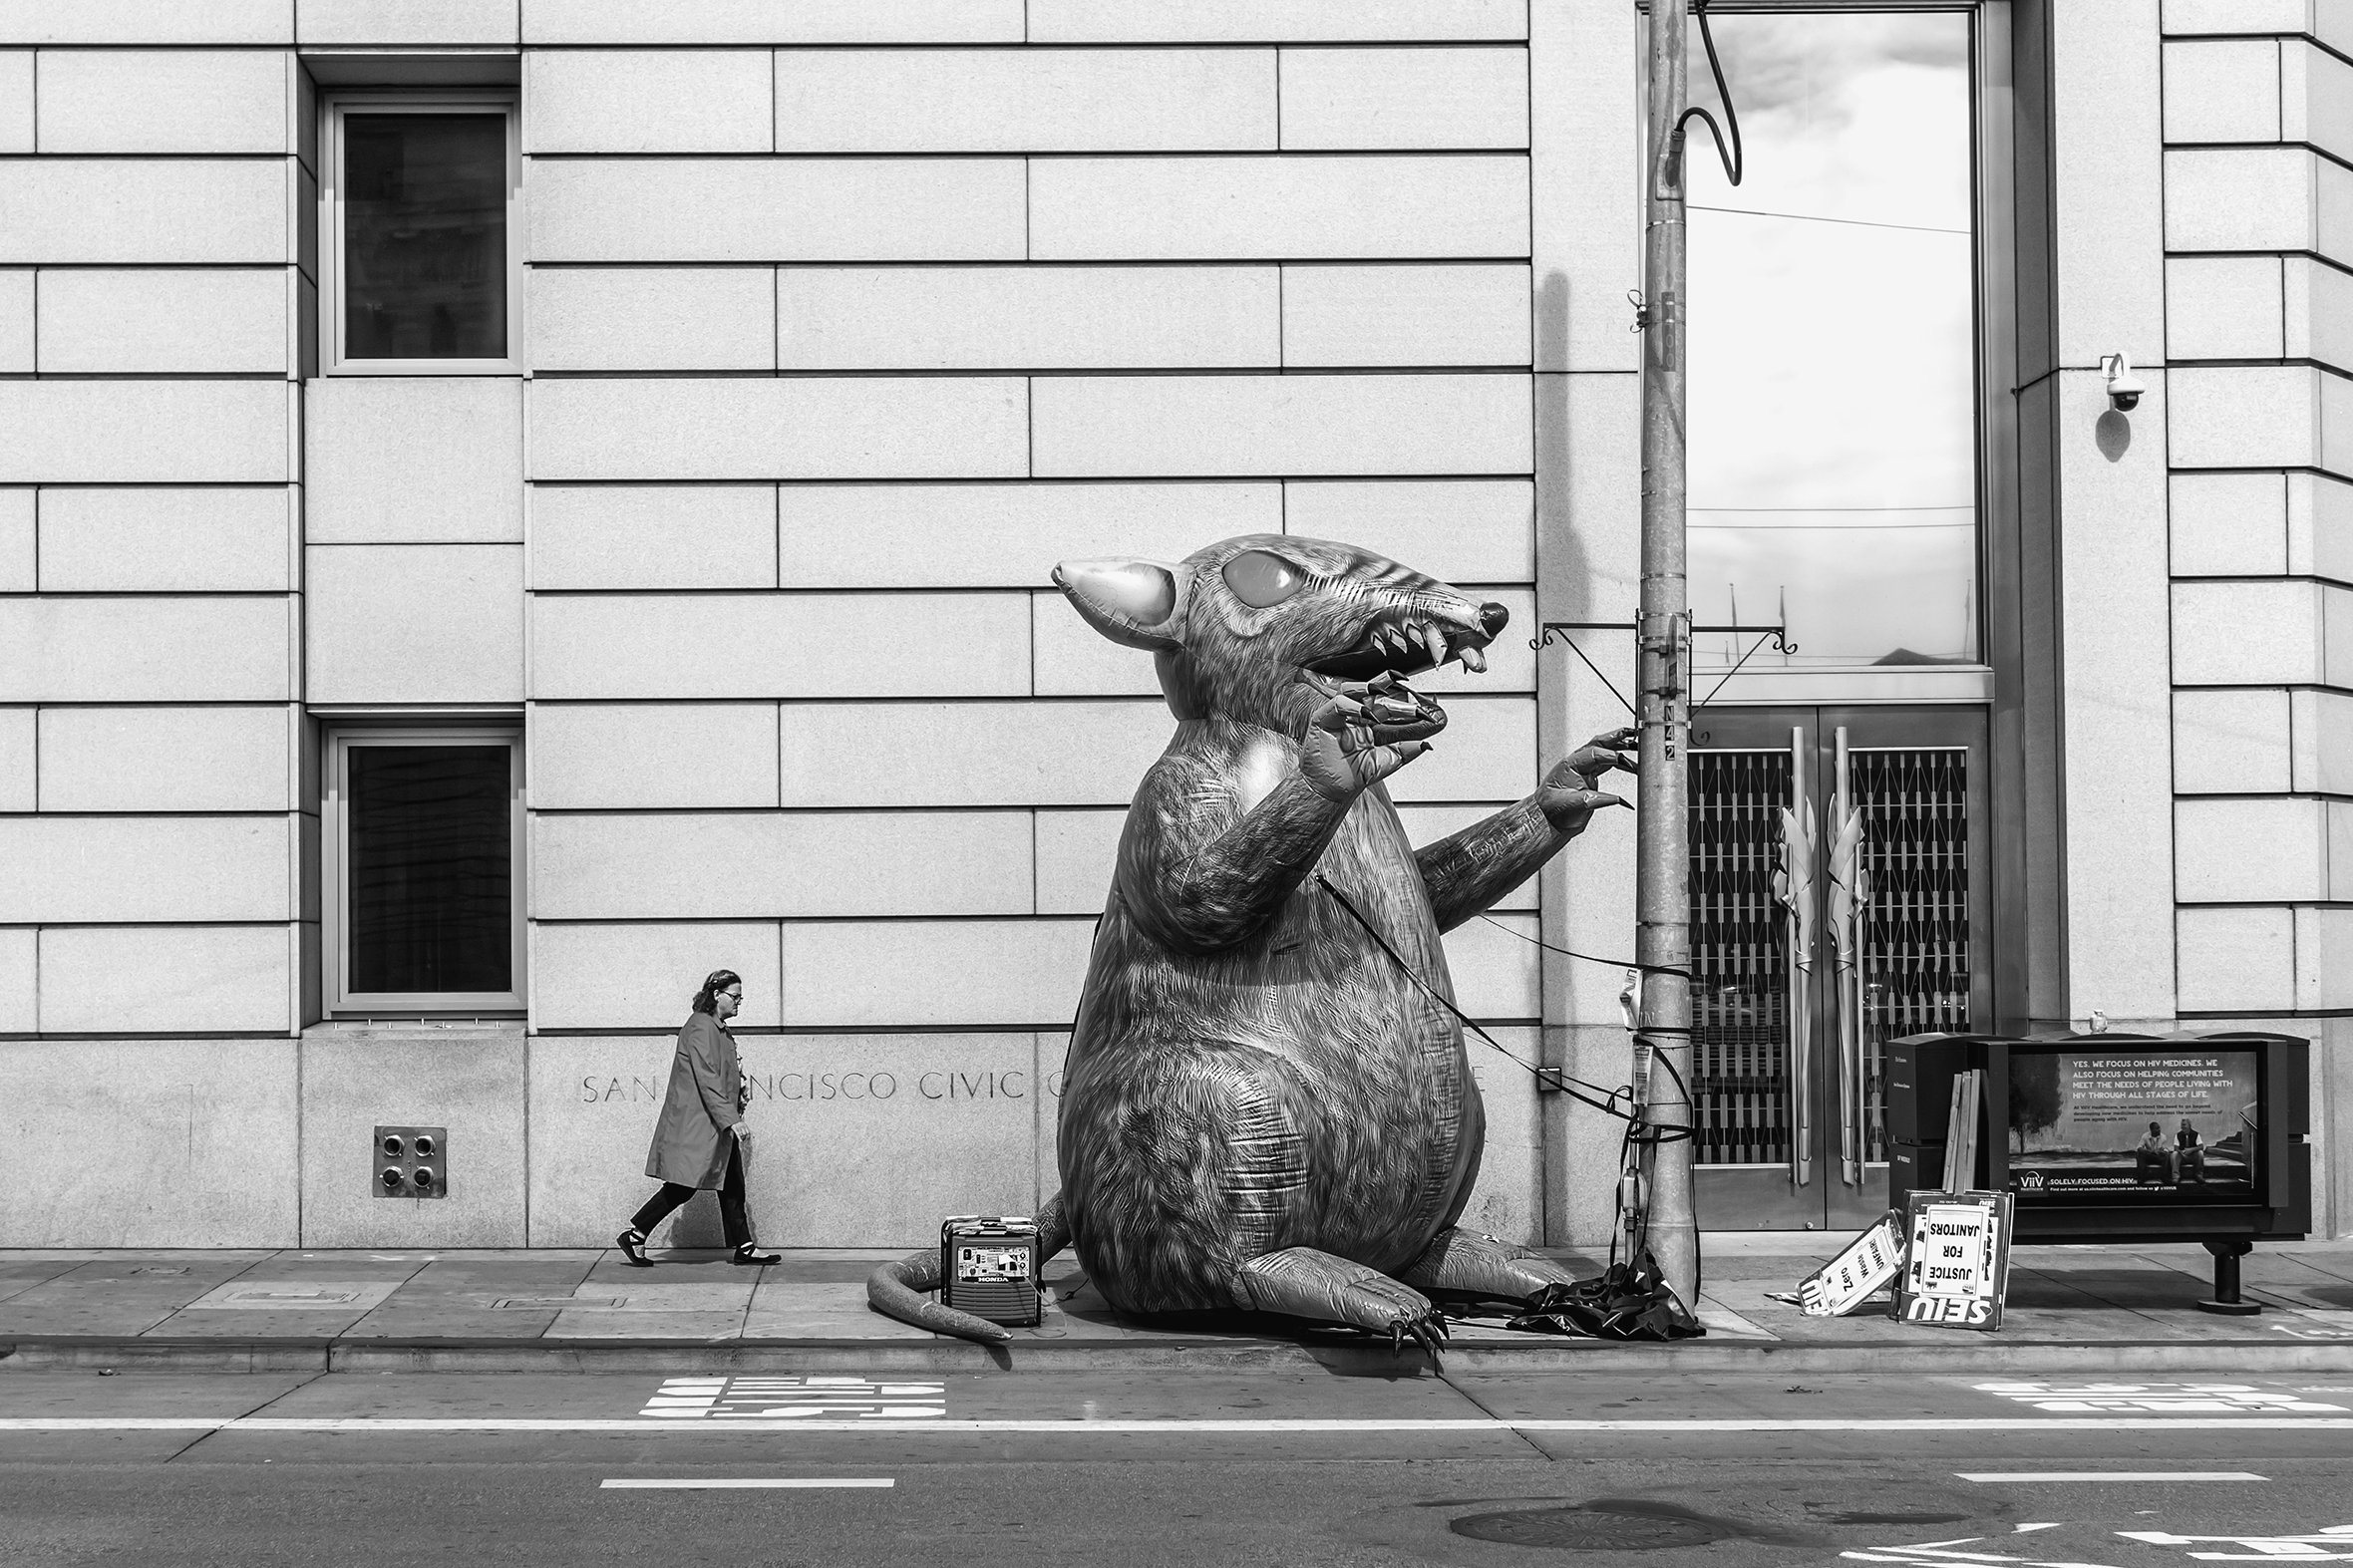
(1363, 733)
(1568, 796)
(1611, 749)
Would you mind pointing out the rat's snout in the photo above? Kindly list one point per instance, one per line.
(1492, 617)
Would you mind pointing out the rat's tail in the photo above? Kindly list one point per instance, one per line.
(901, 1290)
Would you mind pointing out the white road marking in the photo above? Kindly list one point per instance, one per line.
(396, 1423)
(1944, 1554)
(2261, 1548)
(723, 1483)
(2024, 1528)
(759, 1398)
(2112, 1476)
(2184, 1397)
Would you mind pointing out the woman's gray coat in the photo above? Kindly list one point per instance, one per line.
(691, 1142)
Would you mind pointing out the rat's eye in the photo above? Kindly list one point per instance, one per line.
(1261, 581)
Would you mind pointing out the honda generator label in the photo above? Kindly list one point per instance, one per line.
(982, 1265)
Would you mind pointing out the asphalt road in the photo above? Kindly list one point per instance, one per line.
(1179, 1468)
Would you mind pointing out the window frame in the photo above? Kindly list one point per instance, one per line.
(2017, 489)
(334, 832)
(440, 100)
(1994, 296)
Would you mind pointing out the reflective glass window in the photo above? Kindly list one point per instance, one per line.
(423, 201)
(1832, 408)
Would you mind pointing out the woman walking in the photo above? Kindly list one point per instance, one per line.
(701, 1140)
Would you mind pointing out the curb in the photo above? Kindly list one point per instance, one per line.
(1979, 1355)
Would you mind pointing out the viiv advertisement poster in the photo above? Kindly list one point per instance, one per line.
(2147, 1126)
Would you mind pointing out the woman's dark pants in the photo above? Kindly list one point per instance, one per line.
(730, 1204)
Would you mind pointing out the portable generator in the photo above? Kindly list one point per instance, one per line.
(988, 1266)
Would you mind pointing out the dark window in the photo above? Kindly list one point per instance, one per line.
(432, 868)
(424, 236)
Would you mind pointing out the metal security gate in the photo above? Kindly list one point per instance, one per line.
(1839, 901)
(1745, 1092)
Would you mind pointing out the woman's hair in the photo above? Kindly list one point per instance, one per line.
(706, 1000)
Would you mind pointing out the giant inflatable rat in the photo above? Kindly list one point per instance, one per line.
(1261, 1108)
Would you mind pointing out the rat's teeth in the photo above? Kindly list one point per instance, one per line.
(1433, 640)
(1472, 659)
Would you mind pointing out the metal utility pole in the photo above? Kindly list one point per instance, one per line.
(1662, 900)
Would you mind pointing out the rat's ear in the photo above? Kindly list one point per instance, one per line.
(1135, 602)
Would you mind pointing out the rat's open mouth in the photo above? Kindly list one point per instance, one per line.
(1408, 643)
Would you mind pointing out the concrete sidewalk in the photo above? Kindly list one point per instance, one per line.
(2069, 1308)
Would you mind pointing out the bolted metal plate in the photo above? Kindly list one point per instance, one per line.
(558, 1302)
(1587, 1529)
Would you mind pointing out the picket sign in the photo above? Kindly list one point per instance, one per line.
(1844, 1283)
(1960, 1149)
(1957, 1262)
(1948, 1254)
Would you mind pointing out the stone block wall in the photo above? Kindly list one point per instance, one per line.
(842, 323)
(2258, 114)
(154, 204)
(2258, 125)
(1000, 305)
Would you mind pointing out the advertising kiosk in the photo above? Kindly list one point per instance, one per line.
(2116, 1137)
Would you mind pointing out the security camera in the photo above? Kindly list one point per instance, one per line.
(2123, 388)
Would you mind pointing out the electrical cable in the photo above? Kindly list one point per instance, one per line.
(1733, 160)
(1641, 1130)
(1590, 958)
(1575, 1087)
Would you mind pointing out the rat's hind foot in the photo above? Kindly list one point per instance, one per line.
(1466, 1263)
(1302, 1281)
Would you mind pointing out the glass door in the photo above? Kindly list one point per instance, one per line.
(1839, 901)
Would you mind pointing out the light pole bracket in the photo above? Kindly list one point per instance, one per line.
(1777, 635)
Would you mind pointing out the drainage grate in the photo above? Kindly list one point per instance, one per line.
(1587, 1529)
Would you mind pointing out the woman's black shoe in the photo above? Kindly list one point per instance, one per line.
(629, 1241)
(750, 1255)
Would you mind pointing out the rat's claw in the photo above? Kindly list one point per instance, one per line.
(1427, 1331)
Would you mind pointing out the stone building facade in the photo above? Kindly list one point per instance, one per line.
(702, 486)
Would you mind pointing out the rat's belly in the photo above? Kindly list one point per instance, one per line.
(1368, 1069)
